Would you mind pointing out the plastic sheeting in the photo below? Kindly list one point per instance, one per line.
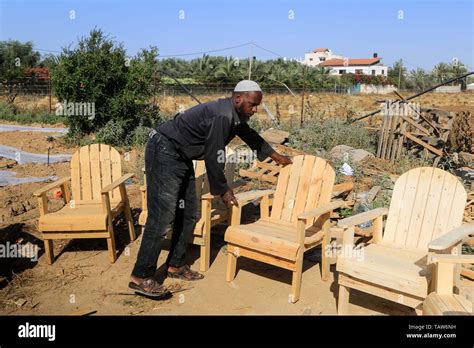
(27, 157)
(8, 178)
(12, 128)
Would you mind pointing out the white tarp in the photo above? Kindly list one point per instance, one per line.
(8, 178)
(12, 128)
(27, 157)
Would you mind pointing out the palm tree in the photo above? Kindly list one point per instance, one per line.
(419, 78)
(441, 72)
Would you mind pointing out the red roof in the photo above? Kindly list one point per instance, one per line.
(317, 50)
(350, 62)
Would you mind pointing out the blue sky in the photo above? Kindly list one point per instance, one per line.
(429, 32)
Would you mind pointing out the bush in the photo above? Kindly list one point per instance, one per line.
(140, 135)
(7, 113)
(119, 89)
(325, 134)
(113, 133)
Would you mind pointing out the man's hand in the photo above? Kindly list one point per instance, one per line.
(229, 199)
(280, 159)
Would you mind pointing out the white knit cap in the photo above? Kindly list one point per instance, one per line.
(247, 86)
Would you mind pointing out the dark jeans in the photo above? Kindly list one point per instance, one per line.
(171, 198)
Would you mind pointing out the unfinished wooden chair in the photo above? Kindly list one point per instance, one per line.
(443, 301)
(425, 216)
(211, 211)
(299, 220)
(98, 197)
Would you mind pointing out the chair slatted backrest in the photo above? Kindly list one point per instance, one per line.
(426, 203)
(302, 186)
(202, 185)
(92, 168)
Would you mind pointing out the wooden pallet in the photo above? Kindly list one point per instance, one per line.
(268, 169)
(407, 124)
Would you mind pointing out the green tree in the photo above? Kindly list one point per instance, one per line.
(15, 59)
(398, 72)
(98, 71)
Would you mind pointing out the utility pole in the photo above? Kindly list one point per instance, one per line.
(302, 98)
(400, 73)
(250, 59)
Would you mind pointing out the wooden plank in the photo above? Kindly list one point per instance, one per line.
(396, 205)
(422, 143)
(341, 188)
(315, 186)
(269, 259)
(427, 230)
(415, 124)
(116, 167)
(327, 185)
(291, 191)
(268, 244)
(303, 187)
(73, 235)
(415, 223)
(280, 193)
(373, 193)
(457, 208)
(105, 165)
(362, 217)
(408, 204)
(389, 294)
(76, 177)
(445, 205)
(445, 278)
(94, 155)
(86, 184)
(381, 135)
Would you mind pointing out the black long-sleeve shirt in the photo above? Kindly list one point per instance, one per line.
(203, 131)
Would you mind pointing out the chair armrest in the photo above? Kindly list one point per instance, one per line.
(243, 197)
(116, 183)
(450, 258)
(48, 187)
(246, 197)
(325, 208)
(362, 217)
(452, 237)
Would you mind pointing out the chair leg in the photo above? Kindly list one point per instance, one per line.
(419, 309)
(205, 253)
(324, 258)
(129, 219)
(111, 245)
(296, 281)
(49, 251)
(231, 266)
(343, 300)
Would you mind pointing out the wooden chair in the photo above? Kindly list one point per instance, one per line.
(211, 211)
(299, 220)
(98, 196)
(425, 216)
(443, 301)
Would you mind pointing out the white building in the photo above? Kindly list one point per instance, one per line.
(318, 56)
(339, 65)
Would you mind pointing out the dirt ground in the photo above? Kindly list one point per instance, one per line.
(83, 281)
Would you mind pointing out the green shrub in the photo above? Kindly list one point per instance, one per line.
(140, 135)
(97, 71)
(325, 134)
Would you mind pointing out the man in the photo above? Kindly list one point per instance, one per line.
(201, 132)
